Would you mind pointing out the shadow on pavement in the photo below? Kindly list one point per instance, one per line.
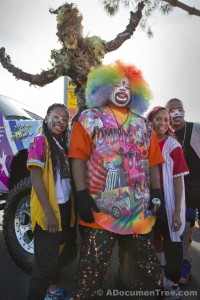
(14, 282)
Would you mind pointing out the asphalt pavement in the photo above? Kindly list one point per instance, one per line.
(14, 282)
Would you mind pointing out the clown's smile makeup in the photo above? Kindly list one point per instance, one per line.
(120, 95)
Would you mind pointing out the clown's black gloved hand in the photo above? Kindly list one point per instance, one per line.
(157, 203)
(85, 204)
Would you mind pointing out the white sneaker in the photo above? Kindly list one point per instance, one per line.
(171, 289)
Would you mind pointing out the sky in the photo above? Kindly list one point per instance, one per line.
(170, 61)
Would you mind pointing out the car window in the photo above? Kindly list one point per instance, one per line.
(11, 108)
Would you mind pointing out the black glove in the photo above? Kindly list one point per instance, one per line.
(159, 209)
(85, 204)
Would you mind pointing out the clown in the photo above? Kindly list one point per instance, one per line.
(106, 158)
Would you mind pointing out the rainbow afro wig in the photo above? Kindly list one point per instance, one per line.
(101, 81)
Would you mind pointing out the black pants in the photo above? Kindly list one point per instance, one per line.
(139, 268)
(47, 262)
(173, 252)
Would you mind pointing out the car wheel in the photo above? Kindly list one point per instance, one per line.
(17, 229)
(116, 212)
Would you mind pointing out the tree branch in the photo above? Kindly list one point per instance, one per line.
(74, 59)
(41, 79)
(135, 18)
(191, 10)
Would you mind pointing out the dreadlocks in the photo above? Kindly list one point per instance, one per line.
(58, 161)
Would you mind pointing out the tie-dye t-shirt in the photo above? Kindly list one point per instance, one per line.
(118, 169)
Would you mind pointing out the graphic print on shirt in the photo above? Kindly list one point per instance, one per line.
(118, 172)
(115, 177)
(115, 202)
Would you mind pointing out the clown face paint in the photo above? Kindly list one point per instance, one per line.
(57, 121)
(121, 94)
(177, 114)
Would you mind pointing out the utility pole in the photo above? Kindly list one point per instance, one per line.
(70, 99)
(65, 90)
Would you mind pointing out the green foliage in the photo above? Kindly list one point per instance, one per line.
(60, 16)
(166, 8)
(111, 7)
(59, 62)
(96, 47)
(151, 6)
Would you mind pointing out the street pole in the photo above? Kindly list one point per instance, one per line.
(65, 90)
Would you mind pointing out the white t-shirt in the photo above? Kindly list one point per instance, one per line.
(62, 186)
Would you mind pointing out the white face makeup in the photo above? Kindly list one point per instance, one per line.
(56, 118)
(177, 113)
(121, 94)
(57, 121)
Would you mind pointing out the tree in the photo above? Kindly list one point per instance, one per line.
(78, 54)
(165, 6)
